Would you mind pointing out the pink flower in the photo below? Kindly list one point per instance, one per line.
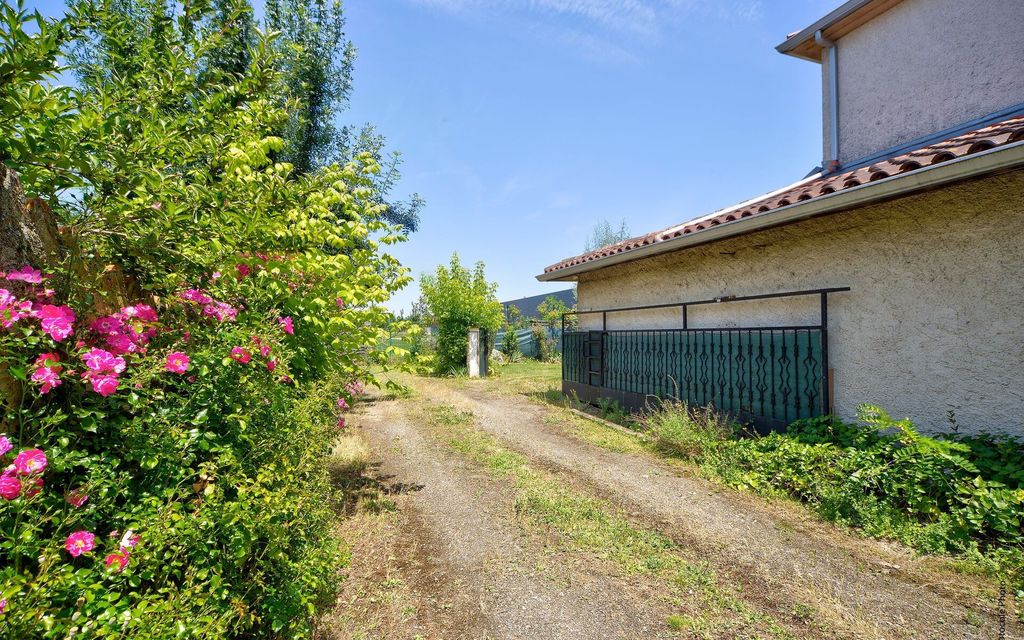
(3, 605)
(286, 324)
(6, 299)
(121, 343)
(342, 404)
(271, 365)
(341, 423)
(80, 542)
(30, 461)
(143, 312)
(102, 383)
(355, 388)
(222, 311)
(177, 362)
(107, 325)
(243, 270)
(48, 377)
(238, 354)
(56, 321)
(340, 303)
(77, 497)
(265, 350)
(5, 444)
(102, 361)
(215, 276)
(195, 295)
(118, 560)
(26, 274)
(10, 487)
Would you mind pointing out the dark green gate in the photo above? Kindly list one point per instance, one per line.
(767, 375)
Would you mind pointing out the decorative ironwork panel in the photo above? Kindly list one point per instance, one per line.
(773, 373)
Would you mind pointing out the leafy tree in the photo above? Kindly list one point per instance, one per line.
(459, 299)
(551, 310)
(514, 319)
(604, 234)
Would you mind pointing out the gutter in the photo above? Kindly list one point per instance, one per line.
(1003, 158)
(832, 164)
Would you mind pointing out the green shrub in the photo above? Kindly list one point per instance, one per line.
(937, 494)
(270, 285)
(510, 344)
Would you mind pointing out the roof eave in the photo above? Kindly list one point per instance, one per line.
(836, 24)
(976, 165)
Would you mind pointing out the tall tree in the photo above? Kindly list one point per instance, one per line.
(604, 234)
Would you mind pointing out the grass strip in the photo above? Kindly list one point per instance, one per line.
(595, 526)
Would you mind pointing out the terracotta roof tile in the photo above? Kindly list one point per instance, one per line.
(994, 135)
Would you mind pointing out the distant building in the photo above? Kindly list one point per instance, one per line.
(528, 306)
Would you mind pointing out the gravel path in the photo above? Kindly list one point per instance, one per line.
(481, 577)
(862, 588)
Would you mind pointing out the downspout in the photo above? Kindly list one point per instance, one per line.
(832, 164)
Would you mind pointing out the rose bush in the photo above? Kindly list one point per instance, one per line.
(177, 368)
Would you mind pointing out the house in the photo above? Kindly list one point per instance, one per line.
(528, 306)
(894, 274)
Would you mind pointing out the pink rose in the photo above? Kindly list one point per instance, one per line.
(102, 361)
(30, 461)
(286, 324)
(80, 542)
(195, 295)
(238, 354)
(107, 325)
(342, 404)
(3, 605)
(341, 423)
(48, 377)
(271, 365)
(26, 274)
(56, 321)
(143, 312)
(10, 487)
(5, 444)
(177, 362)
(117, 561)
(340, 303)
(265, 350)
(243, 270)
(103, 383)
(77, 497)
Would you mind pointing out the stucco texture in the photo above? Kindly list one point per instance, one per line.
(924, 66)
(932, 322)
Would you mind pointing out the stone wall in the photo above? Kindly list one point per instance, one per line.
(933, 322)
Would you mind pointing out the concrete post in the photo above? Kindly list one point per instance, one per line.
(473, 353)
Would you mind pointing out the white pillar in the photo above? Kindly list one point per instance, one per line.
(473, 353)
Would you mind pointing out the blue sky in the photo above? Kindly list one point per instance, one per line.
(524, 122)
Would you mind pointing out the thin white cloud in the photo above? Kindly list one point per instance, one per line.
(602, 30)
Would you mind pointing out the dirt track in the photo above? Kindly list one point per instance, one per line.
(476, 574)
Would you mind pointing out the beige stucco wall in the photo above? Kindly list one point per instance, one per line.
(934, 318)
(922, 67)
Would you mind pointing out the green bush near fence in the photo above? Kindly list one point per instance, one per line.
(946, 494)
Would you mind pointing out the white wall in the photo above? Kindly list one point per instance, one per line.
(934, 318)
(922, 67)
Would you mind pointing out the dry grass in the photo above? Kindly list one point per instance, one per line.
(349, 457)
